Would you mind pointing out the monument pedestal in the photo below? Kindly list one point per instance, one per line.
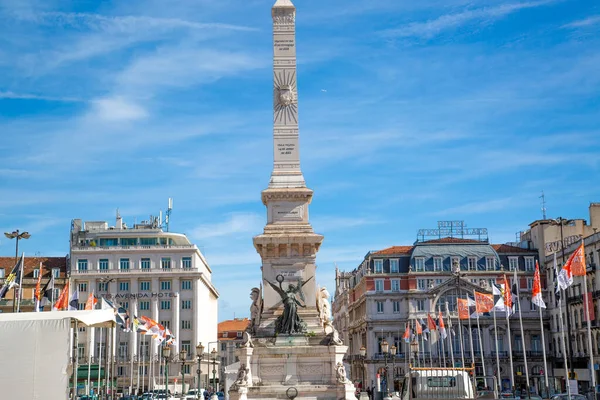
(295, 361)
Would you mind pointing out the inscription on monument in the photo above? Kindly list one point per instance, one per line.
(288, 212)
(285, 148)
(284, 45)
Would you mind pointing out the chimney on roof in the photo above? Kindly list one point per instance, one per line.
(119, 224)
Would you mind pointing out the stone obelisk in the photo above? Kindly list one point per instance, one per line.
(288, 245)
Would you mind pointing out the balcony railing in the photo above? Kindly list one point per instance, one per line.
(135, 247)
(132, 270)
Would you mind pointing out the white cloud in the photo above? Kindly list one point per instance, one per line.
(434, 27)
(117, 109)
(236, 224)
(584, 23)
(28, 96)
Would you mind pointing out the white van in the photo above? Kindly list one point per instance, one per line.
(443, 383)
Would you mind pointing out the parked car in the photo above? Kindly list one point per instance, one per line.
(193, 394)
(565, 396)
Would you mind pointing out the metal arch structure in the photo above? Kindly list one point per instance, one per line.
(453, 229)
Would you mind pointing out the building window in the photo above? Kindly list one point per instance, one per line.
(165, 263)
(225, 334)
(103, 264)
(145, 263)
(186, 324)
(165, 304)
(36, 273)
(124, 263)
(125, 305)
(123, 286)
(421, 284)
(103, 286)
(379, 285)
(186, 285)
(419, 264)
(55, 293)
(396, 304)
(490, 263)
(81, 306)
(186, 346)
(513, 263)
(186, 262)
(420, 305)
(186, 304)
(439, 281)
(186, 367)
(82, 265)
(2, 273)
(166, 323)
(378, 266)
(165, 285)
(437, 263)
(145, 286)
(529, 264)
(394, 266)
(240, 334)
(143, 369)
(56, 272)
(144, 305)
(379, 307)
(395, 285)
(529, 283)
(123, 349)
(472, 263)
(531, 306)
(82, 287)
(518, 343)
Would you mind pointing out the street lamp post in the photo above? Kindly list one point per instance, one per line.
(182, 358)
(16, 235)
(363, 354)
(393, 353)
(385, 348)
(213, 355)
(414, 347)
(166, 354)
(199, 355)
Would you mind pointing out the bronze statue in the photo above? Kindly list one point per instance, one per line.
(289, 322)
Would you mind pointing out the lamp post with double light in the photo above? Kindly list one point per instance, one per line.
(393, 350)
(199, 355)
(213, 355)
(182, 358)
(385, 348)
(166, 352)
(363, 354)
(16, 235)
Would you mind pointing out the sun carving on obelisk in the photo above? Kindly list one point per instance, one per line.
(284, 94)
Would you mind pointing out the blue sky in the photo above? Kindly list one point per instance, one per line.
(410, 113)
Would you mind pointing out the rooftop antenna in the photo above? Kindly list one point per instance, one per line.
(543, 197)
(168, 213)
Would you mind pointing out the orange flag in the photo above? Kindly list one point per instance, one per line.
(576, 262)
(483, 302)
(463, 308)
(63, 300)
(431, 323)
(406, 336)
(38, 286)
(90, 304)
(536, 293)
(418, 328)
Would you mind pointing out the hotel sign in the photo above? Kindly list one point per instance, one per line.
(144, 295)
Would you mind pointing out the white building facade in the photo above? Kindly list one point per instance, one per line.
(151, 273)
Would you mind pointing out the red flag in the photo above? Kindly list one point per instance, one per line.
(576, 262)
(38, 286)
(483, 302)
(508, 303)
(431, 323)
(90, 304)
(63, 299)
(407, 334)
(536, 293)
(418, 327)
(463, 309)
(442, 326)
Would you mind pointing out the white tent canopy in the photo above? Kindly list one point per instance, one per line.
(92, 318)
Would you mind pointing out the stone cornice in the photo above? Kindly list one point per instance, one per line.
(287, 194)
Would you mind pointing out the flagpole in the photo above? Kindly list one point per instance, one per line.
(450, 335)
(442, 339)
(20, 292)
(460, 335)
(480, 341)
(564, 346)
(518, 284)
(498, 374)
(100, 361)
(544, 352)
(589, 331)
(140, 362)
(510, 353)
(471, 341)
(90, 347)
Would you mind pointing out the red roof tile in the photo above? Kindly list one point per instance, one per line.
(394, 250)
(505, 248)
(32, 263)
(233, 325)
